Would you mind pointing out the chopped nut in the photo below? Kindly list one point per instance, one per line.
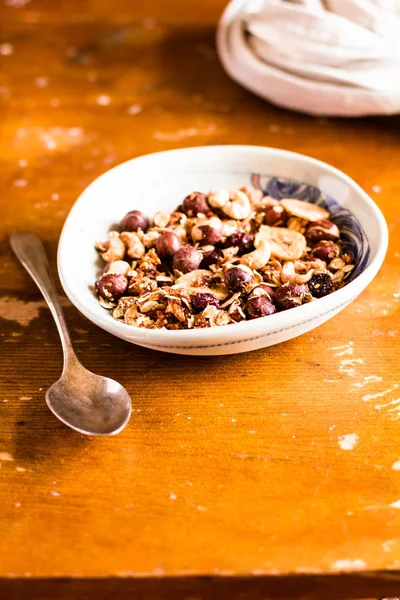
(238, 206)
(112, 250)
(135, 247)
(162, 219)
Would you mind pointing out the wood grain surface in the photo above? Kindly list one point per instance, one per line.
(281, 466)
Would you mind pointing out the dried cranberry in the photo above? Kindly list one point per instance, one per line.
(210, 258)
(320, 285)
(194, 204)
(242, 240)
(289, 295)
(237, 279)
(133, 221)
(259, 306)
(201, 300)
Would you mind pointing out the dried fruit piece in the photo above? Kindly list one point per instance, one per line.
(304, 210)
(210, 258)
(285, 243)
(241, 240)
(320, 285)
(200, 281)
(201, 300)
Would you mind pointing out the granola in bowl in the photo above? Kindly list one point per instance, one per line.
(220, 258)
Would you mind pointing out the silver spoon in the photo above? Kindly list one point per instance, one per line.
(86, 402)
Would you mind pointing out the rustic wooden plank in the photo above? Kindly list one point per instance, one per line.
(243, 470)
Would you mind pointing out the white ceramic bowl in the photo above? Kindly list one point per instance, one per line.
(160, 181)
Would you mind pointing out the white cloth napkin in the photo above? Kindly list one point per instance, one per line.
(324, 57)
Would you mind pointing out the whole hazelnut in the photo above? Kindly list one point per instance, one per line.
(210, 258)
(133, 221)
(241, 240)
(237, 279)
(322, 230)
(186, 259)
(275, 216)
(207, 231)
(264, 290)
(167, 244)
(326, 250)
(201, 300)
(289, 295)
(320, 285)
(194, 204)
(111, 286)
(259, 306)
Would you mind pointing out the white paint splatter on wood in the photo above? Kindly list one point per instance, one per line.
(348, 441)
(354, 564)
(181, 134)
(103, 100)
(41, 82)
(134, 109)
(5, 456)
(16, 3)
(366, 381)
(387, 545)
(369, 397)
(391, 403)
(6, 49)
(348, 366)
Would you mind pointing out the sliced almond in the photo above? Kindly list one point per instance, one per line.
(304, 210)
(285, 244)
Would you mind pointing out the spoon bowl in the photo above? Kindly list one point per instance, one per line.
(89, 403)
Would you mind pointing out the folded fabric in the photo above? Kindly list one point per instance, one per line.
(324, 57)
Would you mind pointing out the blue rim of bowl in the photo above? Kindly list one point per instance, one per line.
(353, 237)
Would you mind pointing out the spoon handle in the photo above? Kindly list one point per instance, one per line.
(29, 250)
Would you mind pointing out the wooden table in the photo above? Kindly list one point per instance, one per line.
(270, 474)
